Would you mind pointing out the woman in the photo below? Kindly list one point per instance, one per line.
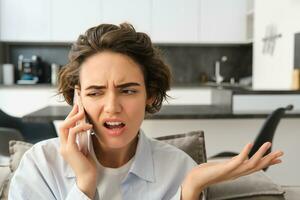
(120, 77)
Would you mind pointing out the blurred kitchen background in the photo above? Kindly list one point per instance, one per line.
(236, 59)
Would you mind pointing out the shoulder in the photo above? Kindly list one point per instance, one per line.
(165, 152)
(39, 172)
(170, 164)
(43, 153)
(45, 148)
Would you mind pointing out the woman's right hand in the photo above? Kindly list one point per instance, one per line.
(83, 166)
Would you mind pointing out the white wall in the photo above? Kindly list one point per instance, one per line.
(275, 71)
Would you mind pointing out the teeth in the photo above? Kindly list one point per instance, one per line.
(114, 123)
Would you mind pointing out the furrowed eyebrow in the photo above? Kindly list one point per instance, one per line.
(124, 85)
(97, 87)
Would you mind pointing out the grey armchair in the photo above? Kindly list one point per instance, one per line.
(6, 135)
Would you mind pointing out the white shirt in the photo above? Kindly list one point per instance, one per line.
(156, 173)
(110, 180)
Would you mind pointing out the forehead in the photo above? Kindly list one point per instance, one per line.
(109, 67)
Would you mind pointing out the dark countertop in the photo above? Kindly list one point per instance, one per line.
(51, 113)
(236, 89)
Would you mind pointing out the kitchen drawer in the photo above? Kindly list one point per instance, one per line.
(263, 103)
(198, 96)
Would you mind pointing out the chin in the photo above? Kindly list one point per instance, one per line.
(117, 141)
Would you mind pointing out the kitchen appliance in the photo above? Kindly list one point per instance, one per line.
(8, 74)
(33, 70)
(296, 79)
(296, 72)
(54, 73)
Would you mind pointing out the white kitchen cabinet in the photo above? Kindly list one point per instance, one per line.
(223, 21)
(168, 21)
(69, 18)
(175, 21)
(25, 20)
(21, 100)
(263, 103)
(275, 26)
(189, 96)
(137, 12)
(198, 96)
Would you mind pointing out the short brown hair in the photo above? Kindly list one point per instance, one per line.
(120, 39)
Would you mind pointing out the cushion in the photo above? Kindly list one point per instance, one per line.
(256, 186)
(292, 192)
(16, 150)
(4, 174)
(191, 143)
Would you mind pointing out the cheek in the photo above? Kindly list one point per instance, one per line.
(135, 109)
(92, 109)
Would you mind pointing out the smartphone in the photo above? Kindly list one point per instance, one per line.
(83, 139)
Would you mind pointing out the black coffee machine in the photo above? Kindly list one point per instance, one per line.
(33, 70)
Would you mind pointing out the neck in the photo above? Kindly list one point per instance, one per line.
(114, 157)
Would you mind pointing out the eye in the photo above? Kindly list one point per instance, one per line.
(128, 91)
(93, 94)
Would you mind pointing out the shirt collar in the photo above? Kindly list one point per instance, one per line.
(142, 166)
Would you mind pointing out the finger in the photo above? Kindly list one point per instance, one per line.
(71, 122)
(276, 161)
(77, 129)
(67, 124)
(73, 111)
(253, 161)
(238, 160)
(237, 163)
(270, 159)
(267, 160)
(244, 153)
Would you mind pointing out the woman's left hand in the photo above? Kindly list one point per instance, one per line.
(210, 173)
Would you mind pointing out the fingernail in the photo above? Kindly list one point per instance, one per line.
(280, 153)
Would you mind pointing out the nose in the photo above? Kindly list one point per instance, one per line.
(112, 104)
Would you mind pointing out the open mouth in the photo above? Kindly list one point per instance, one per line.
(113, 125)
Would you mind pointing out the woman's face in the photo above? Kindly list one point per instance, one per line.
(113, 94)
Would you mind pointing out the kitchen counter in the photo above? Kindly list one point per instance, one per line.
(28, 86)
(265, 92)
(51, 113)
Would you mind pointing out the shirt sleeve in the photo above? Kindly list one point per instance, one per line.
(76, 193)
(189, 165)
(28, 182)
(177, 195)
